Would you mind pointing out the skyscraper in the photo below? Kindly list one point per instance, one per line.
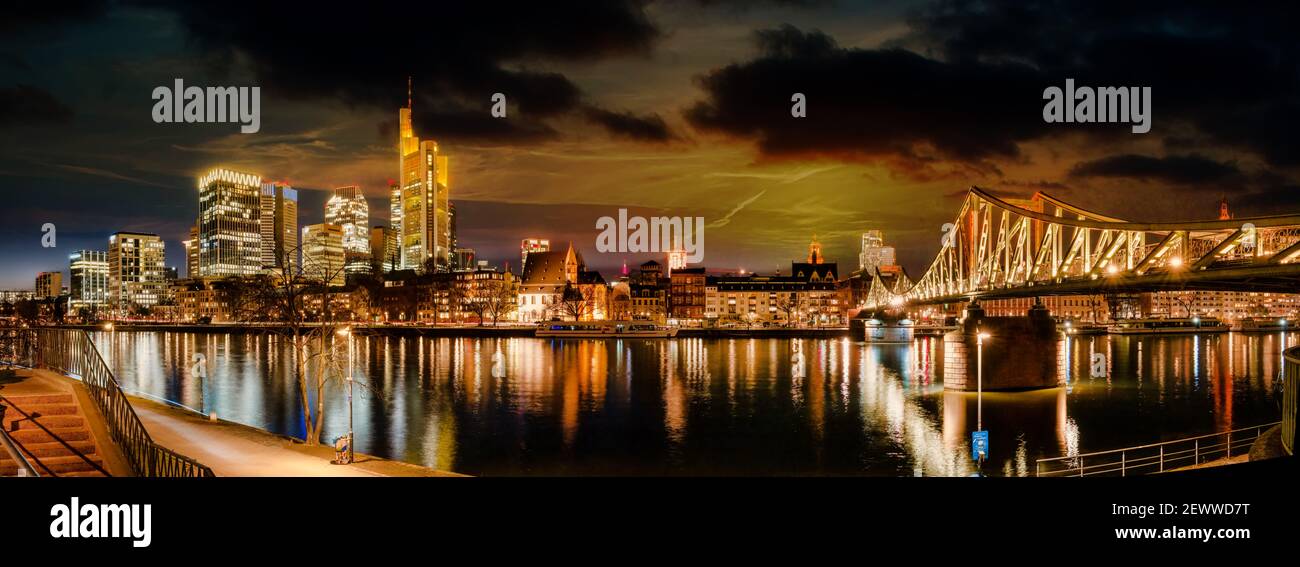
(49, 284)
(347, 209)
(452, 244)
(426, 231)
(528, 246)
(323, 257)
(874, 253)
(192, 253)
(136, 270)
(89, 271)
(230, 235)
(383, 247)
(395, 215)
(279, 227)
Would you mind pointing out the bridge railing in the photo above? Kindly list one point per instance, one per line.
(71, 352)
(1290, 395)
(1155, 457)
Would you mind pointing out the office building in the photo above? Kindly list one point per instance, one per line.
(89, 277)
(323, 256)
(49, 284)
(279, 228)
(530, 245)
(874, 254)
(425, 222)
(383, 247)
(192, 253)
(230, 236)
(395, 215)
(348, 210)
(136, 270)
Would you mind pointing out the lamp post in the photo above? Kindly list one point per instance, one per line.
(979, 380)
(352, 452)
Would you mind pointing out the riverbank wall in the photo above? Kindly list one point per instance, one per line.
(464, 330)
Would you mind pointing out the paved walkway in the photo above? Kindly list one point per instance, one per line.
(232, 449)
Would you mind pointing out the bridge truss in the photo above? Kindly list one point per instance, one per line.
(995, 249)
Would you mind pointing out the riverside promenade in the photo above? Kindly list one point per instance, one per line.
(233, 449)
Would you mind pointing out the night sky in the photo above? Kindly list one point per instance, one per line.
(678, 108)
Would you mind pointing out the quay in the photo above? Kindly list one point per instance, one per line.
(472, 331)
(234, 449)
(65, 414)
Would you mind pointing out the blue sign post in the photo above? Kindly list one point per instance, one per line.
(979, 445)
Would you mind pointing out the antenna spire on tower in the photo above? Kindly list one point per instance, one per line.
(408, 92)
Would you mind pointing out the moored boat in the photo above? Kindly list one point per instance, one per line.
(605, 330)
(1168, 326)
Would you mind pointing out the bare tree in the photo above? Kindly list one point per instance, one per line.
(500, 299)
(789, 304)
(1183, 300)
(574, 303)
(283, 296)
(475, 301)
(445, 292)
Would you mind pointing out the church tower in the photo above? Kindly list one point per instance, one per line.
(815, 251)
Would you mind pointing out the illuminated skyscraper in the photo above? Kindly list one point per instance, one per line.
(874, 253)
(347, 209)
(230, 235)
(426, 231)
(383, 246)
(528, 246)
(279, 226)
(192, 253)
(89, 287)
(323, 258)
(137, 275)
(49, 284)
(395, 214)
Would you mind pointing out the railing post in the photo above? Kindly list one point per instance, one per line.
(1196, 453)
(1162, 457)
(1123, 462)
(1229, 443)
(1080, 465)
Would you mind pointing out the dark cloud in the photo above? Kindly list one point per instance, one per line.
(651, 128)
(25, 104)
(886, 104)
(1188, 170)
(1227, 68)
(1274, 200)
(23, 17)
(458, 53)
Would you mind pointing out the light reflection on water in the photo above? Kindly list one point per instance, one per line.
(714, 406)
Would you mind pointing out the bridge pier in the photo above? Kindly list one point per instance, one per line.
(1021, 353)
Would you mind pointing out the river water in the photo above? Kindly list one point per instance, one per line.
(712, 406)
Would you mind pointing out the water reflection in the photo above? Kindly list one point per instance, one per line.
(714, 406)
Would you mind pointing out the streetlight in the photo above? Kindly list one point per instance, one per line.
(352, 452)
(979, 381)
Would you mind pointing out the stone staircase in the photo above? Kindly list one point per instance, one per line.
(52, 433)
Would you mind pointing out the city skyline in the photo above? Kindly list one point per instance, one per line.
(639, 106)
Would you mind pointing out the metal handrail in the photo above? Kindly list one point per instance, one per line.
(1163, 459)
(1290, 394)
(25, 467)
(72, 353)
